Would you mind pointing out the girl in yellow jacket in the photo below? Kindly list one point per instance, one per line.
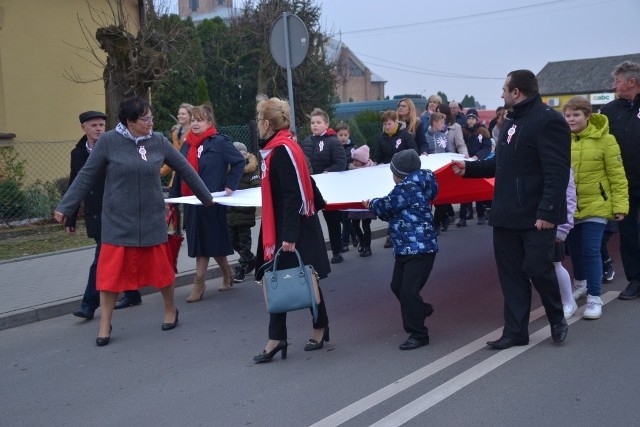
(602, 194)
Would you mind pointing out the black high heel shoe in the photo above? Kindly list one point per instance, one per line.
(315, 345)
(265, 357)
(169, 326)
(102, 341)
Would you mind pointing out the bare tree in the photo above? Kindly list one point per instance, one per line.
(139, 53)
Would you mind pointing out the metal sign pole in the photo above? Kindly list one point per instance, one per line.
(287, 51)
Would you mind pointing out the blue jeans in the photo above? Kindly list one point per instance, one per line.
(585, 241)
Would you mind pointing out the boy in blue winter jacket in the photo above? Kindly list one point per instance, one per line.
(407, 208)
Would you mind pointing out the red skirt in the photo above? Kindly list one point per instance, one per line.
(123, 268)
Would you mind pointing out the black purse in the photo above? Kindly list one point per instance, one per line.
(292, 288)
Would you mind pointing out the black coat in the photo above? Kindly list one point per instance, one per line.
(531, 167)
(478, 141)
(325, 153)
(624, 124)
(348, 147)
(390, 145)
(291, 226)
(93, 200)
(220, 166)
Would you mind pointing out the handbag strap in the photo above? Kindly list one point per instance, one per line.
(275, 259)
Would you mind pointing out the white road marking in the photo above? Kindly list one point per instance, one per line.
(445, 390)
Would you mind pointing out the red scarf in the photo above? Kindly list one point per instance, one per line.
(195, 143)
(299, 161)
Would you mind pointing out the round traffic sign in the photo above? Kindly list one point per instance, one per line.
(298, 40)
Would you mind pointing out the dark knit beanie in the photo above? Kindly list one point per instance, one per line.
(405, 162)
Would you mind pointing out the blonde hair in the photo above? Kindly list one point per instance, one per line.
(276, 111)
(411, 120)
(435, 98)
(187, 107)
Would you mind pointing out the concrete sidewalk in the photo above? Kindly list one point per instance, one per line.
(40, 287)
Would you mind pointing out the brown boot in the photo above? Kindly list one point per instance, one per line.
(197, 291)
(227, 278)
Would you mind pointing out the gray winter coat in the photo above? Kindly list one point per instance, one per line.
(133, 209)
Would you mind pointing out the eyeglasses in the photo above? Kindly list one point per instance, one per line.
(402, 106)
(147, 119)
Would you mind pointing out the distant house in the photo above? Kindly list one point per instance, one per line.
(355, 81)
(199, 10)
(591, 78)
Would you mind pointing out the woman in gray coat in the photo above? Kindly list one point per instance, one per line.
(134, 231)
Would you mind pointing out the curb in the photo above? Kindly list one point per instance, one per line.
(24, 316)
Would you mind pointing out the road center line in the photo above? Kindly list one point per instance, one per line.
(415, 377)
(426, 401)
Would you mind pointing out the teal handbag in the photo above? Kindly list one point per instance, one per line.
(292, 288)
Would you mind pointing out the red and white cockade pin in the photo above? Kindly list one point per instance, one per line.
(199, 151)
(510, 133)
(143, 153)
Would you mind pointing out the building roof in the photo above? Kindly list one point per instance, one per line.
(333, 47)
(580, 76)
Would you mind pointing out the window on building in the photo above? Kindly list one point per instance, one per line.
(193, 5)
(354, 70)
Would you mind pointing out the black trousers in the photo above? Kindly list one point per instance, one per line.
(466, 208)
(629, 238)
(410, 273)
(332, 219)
(278, 322)
(364, 233)
(523, 258)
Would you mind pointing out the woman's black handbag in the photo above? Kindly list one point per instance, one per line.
(291, 289)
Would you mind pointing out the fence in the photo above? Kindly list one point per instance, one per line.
(34, 175)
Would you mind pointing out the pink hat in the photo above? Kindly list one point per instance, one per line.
(361, 154)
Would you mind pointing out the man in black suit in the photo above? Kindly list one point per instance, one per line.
(531, 169)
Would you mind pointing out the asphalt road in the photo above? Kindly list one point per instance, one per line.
(202, 373)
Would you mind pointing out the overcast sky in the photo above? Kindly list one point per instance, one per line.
(467, 47)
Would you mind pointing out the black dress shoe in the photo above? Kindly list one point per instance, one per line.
(85, 312)
(127, 301)
(170, 326)
(265, 357)
(559, 331)
(428, 309)
(413, 343)
(505, 342)
(312, 344)
(102, 341)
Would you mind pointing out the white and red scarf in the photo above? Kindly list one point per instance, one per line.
(283, 137)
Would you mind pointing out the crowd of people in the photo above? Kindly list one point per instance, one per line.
(559, 177)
